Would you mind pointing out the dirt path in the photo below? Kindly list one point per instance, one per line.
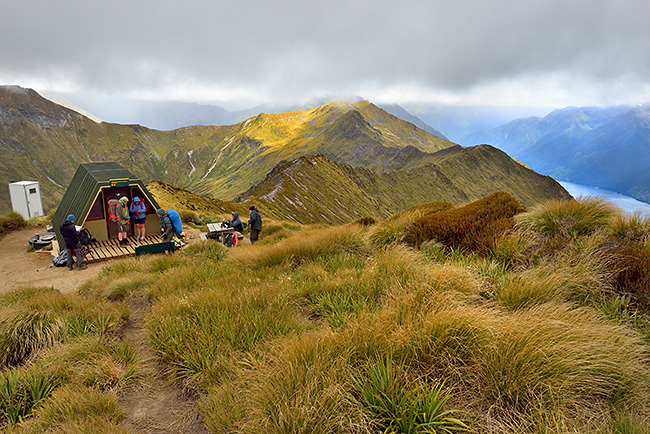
(158, 406)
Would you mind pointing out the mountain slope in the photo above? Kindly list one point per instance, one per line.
(403, 164)
(316, 189)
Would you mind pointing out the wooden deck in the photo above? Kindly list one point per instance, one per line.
(110, 249)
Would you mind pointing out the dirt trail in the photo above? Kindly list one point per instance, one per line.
(157, 406)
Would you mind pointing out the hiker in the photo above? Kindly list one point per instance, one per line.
(236, 222)
(166, 226)
(71, 238)
(123, 221)
(138, 209)
(254, 224)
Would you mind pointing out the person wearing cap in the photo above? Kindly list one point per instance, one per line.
(70, 236)
(166, 226)
(138, 209)
(123, 221)
(254, 224)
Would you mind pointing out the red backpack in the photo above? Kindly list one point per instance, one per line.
(112, 209)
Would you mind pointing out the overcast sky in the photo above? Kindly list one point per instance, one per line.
(546, 53)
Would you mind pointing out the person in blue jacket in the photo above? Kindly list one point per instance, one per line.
(138, 211)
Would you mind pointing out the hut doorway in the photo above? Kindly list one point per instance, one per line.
(115, 193)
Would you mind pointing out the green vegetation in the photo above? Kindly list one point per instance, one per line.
(350, 329)
(11, 222)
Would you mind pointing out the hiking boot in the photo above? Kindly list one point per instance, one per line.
(82, 267)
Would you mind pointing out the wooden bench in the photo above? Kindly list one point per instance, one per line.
(155, 248)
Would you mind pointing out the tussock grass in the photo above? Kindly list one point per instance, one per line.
(569, 218)
(77, 410)
(300, 389)
(11, 222)
(198, 333)
(534, 334)
(93, 361)
(305, 246)
(552, 356)
(207, 249)
(630, 226)
(549, 281)
(32, 319)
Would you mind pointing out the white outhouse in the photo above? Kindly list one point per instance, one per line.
(26, 198)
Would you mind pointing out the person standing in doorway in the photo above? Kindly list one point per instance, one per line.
(138, 210)
(123, 221)
(254, 224)
(71, 238)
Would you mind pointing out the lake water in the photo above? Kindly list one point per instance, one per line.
(622, 201)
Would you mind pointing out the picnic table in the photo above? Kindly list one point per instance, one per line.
(216, 231)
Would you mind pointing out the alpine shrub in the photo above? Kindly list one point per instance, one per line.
(473, 227)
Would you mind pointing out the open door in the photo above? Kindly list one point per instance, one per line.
(115, 193)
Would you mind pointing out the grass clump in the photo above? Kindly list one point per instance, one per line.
(206, 249)
(394, 403)
(21, 392)
(78, 410)
(32, 319)
(473, 227)
(11, 222)
(569, 218)
(306, 246)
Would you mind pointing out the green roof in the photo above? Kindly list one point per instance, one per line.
(86, 182)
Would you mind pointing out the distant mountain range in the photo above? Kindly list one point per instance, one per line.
(603, 147)
(394, 163)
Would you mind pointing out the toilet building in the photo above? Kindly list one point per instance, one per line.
(88, 193)
(26, 198)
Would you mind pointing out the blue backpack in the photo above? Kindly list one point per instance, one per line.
(176, 220)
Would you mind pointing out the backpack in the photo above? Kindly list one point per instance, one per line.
(85, 237)
(61, 260)
(230, 240)
(112, 209)
(176, 220)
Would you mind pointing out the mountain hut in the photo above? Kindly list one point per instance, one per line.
(87, 196)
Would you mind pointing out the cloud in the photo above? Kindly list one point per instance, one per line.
(593, 51)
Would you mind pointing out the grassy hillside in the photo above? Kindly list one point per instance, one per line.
(317, 189)
(350, 329)
(43, 141)
(392, 164)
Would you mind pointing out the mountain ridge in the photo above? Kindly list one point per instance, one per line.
(216, 161)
